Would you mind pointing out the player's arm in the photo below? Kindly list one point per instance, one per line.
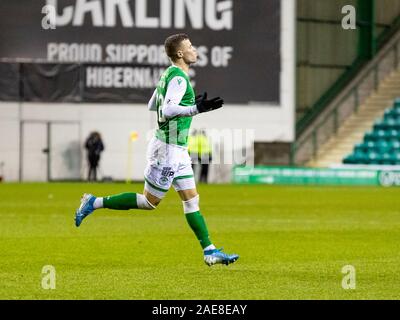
(204, 105)
(175, 91)
(152, 106)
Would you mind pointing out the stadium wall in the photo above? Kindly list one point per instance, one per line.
(115, 122)
(267, 122)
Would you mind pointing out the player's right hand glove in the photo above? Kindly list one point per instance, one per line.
(204, 105)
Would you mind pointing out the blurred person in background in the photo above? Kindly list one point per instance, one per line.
(94, 146)
(205, 154)
(193, 150)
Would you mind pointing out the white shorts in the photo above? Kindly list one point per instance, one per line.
(167, 165)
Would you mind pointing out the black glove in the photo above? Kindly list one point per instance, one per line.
(204, 105)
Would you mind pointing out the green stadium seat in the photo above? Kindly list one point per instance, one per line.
(392, 113)
(356, 158)
(392, 134)
(369, 136)
(396, 112)
(380, 134)
(350, 159)
(390, 123)
(397, 157)
(389, 113)
(387, 158)
(374, 158)
(360, 147)
(382, 125)
(393, 124)
(387, 117)
(386, 124)
(396, 103)
(389, 134)
(370, 145)
(394, 145)
(382, 146)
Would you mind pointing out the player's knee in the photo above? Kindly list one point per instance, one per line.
(191, 205)
(151, 204)
(146, 204)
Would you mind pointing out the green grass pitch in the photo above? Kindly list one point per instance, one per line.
(292, 241)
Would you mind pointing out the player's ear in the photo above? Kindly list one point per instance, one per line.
(179, 54)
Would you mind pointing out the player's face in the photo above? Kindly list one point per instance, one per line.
(188, 52)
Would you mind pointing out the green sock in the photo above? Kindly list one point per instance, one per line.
(122, 201)
(198, 225)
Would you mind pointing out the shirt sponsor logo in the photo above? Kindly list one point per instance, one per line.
(163, 181)
(167, 172)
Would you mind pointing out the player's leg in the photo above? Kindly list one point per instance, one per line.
(122, 201)
(95, 172)
(90, 171)
(156, 186)
(158, 179)
(127, 201)
(92, 165)
(204, 173)
(149, 200)
(190, 200)
(186, 188)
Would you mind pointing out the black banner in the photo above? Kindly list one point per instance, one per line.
(121, 41)
(9, 81)
(51, 82)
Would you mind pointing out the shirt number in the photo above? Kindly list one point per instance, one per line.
(160, 103)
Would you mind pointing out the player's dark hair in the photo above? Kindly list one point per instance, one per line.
(172, 44)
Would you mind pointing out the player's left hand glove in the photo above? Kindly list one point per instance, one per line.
(204, 105)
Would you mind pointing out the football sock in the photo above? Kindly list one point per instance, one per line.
(198, 225)
(122, 201)
(210, 247)
(126, 201)
(98, 203)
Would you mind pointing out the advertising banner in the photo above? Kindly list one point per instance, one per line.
(316, 176)
(119, 44)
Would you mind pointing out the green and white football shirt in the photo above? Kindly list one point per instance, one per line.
(173, 92)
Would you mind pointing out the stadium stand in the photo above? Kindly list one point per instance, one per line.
(381, 145)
